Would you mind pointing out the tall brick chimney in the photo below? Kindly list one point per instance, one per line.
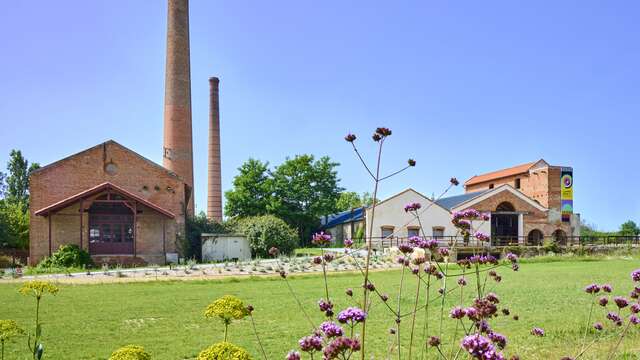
(178, 146)
(214, 198)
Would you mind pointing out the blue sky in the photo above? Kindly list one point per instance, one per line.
(467, 87)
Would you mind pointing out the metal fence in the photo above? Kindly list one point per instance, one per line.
(459, 241)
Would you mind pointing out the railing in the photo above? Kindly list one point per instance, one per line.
(500, 241)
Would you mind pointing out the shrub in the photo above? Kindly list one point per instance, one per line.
(551, 246)
(67, 256)
(265, 232)
(130, 352)
(224, 351)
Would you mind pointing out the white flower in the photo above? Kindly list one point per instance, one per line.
(418, 255)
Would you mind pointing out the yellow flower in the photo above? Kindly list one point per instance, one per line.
(130, 352)
(224, 351)
(38, 288)
(9, 329)
(226, 308)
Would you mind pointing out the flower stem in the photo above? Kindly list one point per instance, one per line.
(615, 348)
(398, 311)
(413, 320)
(425, 332)
(586, 329)
(255, 331)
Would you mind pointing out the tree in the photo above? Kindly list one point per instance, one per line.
(252, 190)
(629, 228)
(14, 225)
(190, 244)
(2, 184)
(18, 179)
(304, 190)
(348, 200)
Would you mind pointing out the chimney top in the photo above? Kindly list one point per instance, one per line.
(214, 79)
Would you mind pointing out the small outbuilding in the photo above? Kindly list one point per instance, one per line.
(223, 247)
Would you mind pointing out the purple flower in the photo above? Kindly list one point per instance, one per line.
(348, 243)
(405, 248)
(384, 297)
(310, 343)
(434, 341)
(349, 292)
(331, 329)
(341, 347)
(376, 137)
(634, 320)
(383, 131)
(536, 331)
(328, 257)
(414, 206)
(463, 224)
(598, 326)
(462, 281)
(512, 257)
(603, 301)
(444, 252)
(481, 236)
(350, 137)
(411, 162)
(293, 355)
(457, 313)
(483, 326)
(479, 347)
(472, 313)
(321, 238)
(352, 315)
(592, 289)
(621, 302)
(325, 305)
(498, 339)
(492, 298)
(635, 308)
(273, 251)
(615, 318)
(607, 288)
(317, 260)
(431, 244)
(635, 275)
(454, 181)
(515, 267)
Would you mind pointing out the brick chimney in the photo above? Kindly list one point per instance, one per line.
(178, 146)
(214, 198)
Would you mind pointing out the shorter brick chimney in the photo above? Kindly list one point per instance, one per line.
(214, 196)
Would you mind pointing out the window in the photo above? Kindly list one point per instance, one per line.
(387, 231)
(438, 232)
(517, 183)
(413, 231)
(490, 186)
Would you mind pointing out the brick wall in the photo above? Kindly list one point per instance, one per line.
(87, 169)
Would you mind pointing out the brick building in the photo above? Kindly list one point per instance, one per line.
(111, 201)
(528, 203)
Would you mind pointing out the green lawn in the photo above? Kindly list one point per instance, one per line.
(89, 321)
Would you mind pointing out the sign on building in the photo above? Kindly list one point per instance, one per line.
(566, 194)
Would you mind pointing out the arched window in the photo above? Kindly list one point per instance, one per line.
(505, 206)
(560, 237)
(535, 237)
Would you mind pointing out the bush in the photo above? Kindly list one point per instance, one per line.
(67, 256)
(190, 244)
(224, 351)
(264, 232)
(551, 246)
(130, 352)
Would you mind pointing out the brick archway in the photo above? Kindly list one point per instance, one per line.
(535, 237)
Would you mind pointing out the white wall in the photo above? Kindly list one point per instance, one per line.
(390, 212)
(220, 247)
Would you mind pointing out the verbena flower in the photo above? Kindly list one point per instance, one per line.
(444, 252)
(607, 288)
(328, 257)
(498, 339)
(224, 350)
(227, 308)
(483, 326)
(418, 256)
(603, 301)
(411, 162)
(340, 348)
(492, 298)
(635, 308)
(434, 341)
(454, 181)
(131, 352)
(349, 292)
(512, 257)
(325, 305)
(481, 236)
(536, 331)
(462, 281)
(310, 343)
(431, 244)
(615, 318)
(321, 238)
(634, 319)
(592, 289)
(414, 206)
(479, 347)
(457, 313)
(635, 275)
(621, 302)
(598, 326)
(352, 315)
(350, 138)
(38, 288)
(383, 131)
(274, 251)
(293, 355)
(405, 248)
(331, 329)
(348, 243)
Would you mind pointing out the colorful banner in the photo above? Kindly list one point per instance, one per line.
(566, 193)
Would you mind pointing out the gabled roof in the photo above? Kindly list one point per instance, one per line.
(96, 190)
(498, 174)
(108, 142)
(343, 217)
(491, 192)
(408, 190)
(453, 201)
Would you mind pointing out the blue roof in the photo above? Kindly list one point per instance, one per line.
(343, 217)
(453, 201)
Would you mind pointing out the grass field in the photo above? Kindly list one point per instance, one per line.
(89, 321)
